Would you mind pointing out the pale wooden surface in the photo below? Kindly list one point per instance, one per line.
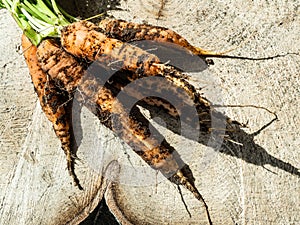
(35, 187)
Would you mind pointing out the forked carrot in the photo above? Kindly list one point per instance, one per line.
(83, 40)
(133, 128)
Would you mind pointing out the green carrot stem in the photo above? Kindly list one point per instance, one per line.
(38, 19)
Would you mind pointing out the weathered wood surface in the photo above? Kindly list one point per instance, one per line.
(35, 187)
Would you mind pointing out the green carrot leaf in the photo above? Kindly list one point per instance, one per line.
(38, 19)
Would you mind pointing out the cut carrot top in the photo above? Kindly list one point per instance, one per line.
(38, 18)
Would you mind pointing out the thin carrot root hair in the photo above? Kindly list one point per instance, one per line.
(180, 178)
(247, 106)
(209, 53)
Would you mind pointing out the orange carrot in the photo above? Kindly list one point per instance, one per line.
(84, 41)
(133, 128)
(129, 31)
(102, 98)
(63, 69)
(54, 102)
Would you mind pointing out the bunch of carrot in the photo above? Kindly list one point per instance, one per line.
(57, 49)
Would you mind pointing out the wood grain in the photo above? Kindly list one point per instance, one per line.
(254, 184)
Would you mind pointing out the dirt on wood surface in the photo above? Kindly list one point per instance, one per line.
(257, 183)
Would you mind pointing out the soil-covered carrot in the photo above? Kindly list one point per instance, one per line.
(132, 127)
(83, 40)
(63, 69)
(55, 103)
(129, 31)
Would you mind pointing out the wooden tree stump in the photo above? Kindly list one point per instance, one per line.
(257, 183)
